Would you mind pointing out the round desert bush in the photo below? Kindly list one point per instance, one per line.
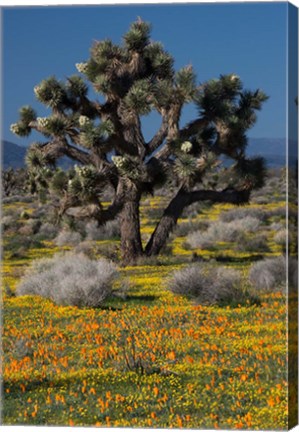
(48, 231)
(270, 274)
(209, 285)
(276, 226)
(243, 212)
(256, 243)
(70, 279)
(222, 232)
(185, 228)
(86, 248)
(7, 222)
(281, 237)
(68, 238)
(105, 232)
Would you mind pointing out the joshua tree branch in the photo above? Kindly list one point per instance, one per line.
(182, 200)
(193, 127)
(159, 137)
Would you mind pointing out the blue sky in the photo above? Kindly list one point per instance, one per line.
(248, 39)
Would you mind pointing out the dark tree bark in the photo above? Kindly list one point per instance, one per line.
(131, 245)
(179, 203)
(166, 223)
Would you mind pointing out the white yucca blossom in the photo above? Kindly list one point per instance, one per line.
(79, 169)
(234, 77)
(42, 121)
(84, 171)
(81, 67)
(186, 147)
(15, 128)
(118, 161)
(37, 89)
(84, 120)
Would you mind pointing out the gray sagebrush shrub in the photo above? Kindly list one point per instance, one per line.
(7, 222)
(276, 226)
(185, 228)
(222, 232)
(87, 248)
(243, 212)
(48, 231)
(17, 198)
(208, 284)
(71, 279)
(281, 237)
(270, 273)
(257, 243)
(68, 238)
(105, 232)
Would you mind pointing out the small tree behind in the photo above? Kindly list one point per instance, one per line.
(105, 137)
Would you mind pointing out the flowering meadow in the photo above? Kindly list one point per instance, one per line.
(148, 357)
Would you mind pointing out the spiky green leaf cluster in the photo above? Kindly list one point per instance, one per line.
(84, 184)
(186, 83)
(22, 128)
(50, 92)
(251, 173)
(27, 114)
(162, 93)
(106, 55)
(90, 69)
(59, 182)
(218, 97)
(89, 138)
(102, 84)
(105, 129)
(249, 102)
(93, 136)
(137, 36)
(35, 157)
(57, 125)
(159, 61)
(138, 98)
(76, 86)
(185, 167)
(39, 179)
(128, 167)
(54, 125)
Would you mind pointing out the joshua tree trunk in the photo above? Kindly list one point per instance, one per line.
(176, 206)
(131, 246)
(166, 224)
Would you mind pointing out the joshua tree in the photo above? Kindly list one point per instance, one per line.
(14, 181)
(105, 137)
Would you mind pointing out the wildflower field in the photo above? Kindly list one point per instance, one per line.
(149, 357)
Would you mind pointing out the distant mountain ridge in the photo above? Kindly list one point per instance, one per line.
(13, 155)
(272, 149)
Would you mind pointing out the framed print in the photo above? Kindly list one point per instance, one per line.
(149, 216)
